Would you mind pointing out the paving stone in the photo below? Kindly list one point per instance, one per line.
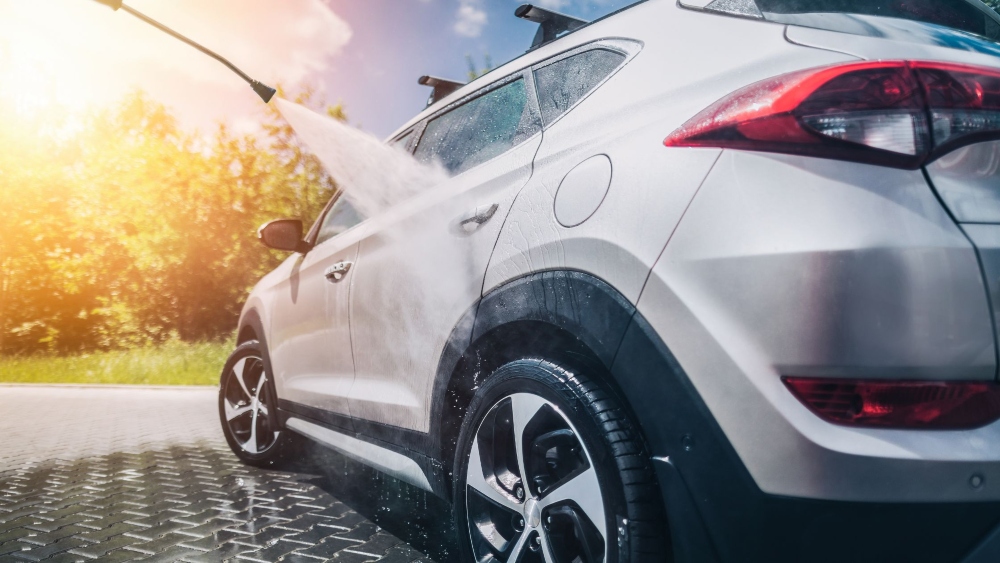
(401, 554)
(33, 553)
(45, 538)
(213, 541)
(120, 555)
(102, 548)
(150, 534)
(274, 551)
(111, 531)
(350, 556)
(173, 554)
(328, 547)
(146, 475)
(379, 543)
(13, 534)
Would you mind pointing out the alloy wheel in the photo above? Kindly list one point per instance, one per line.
(247, 407)
(532, 489)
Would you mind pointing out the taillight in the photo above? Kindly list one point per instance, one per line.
(895, 113)
(900, 404)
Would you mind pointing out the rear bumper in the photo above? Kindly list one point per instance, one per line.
(759, 527)
(717, 512)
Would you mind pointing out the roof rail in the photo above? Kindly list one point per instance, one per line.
(442, 87)
(551, 24)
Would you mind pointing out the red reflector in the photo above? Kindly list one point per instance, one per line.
(892, 113)
(927, 405)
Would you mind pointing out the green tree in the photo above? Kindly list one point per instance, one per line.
(124, 230)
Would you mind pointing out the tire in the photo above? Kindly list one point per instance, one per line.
(591, 493)
(248, 410)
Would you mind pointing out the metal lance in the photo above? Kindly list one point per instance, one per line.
(263, 90)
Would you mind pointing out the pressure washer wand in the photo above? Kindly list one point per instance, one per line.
(263, 90)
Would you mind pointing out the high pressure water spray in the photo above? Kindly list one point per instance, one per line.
(263, 90)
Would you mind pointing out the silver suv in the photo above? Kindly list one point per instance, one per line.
(707, 281)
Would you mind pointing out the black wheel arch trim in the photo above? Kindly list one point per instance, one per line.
(577, 304)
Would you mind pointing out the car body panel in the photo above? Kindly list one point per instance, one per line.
(310, 339)
(901, 39)
(792, 266)
(967, 181)
(627, 119)
(417, 275)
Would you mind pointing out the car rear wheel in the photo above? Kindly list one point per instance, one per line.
(551, 470)
(248, 409)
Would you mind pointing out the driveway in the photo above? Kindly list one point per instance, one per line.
(121, 474)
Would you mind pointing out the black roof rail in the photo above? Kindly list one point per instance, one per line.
(550, 24)
(442, 87)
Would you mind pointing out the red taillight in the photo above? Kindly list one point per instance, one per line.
(900, 404)
(895, 113)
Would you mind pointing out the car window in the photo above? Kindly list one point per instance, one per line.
(402, 142)
(480, 129)
(955, 14)
(564, 82)
(342, 216)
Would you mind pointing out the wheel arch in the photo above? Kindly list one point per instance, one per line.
(568, 317)
(250, 328)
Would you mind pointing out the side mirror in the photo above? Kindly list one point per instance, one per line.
(283, 234)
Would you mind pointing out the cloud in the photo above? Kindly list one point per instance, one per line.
(79, 52)
(552, 4)
(470, 20)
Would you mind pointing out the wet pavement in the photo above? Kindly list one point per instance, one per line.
(123, 474)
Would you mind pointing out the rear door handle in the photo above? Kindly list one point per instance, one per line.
(337, 272)
(478, 217)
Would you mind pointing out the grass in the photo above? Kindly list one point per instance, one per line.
(174, 363)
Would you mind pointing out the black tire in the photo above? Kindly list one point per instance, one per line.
(572, 411)
(255, 434)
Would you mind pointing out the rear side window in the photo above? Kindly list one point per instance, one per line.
(480, 129)
(564, 82)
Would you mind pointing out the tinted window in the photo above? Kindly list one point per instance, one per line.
(342, 216)
(956, 14)
(481, 129)
(563, 83)
(401, 142)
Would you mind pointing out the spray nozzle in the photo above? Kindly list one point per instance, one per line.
(263, 90)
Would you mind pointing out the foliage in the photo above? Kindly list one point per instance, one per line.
(119, 229)
(173, 363)
(475, 72)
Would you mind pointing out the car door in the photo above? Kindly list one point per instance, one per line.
(421, 269)
(310, 344)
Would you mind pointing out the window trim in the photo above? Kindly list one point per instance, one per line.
(410, 144)
(630, 48)
(532, 105)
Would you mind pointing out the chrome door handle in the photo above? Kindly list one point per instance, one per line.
(478, 217)
(337, 272)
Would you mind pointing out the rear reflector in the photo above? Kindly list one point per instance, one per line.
(895, 113)
(900, 404)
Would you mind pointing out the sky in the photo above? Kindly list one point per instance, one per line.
(70, 55)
